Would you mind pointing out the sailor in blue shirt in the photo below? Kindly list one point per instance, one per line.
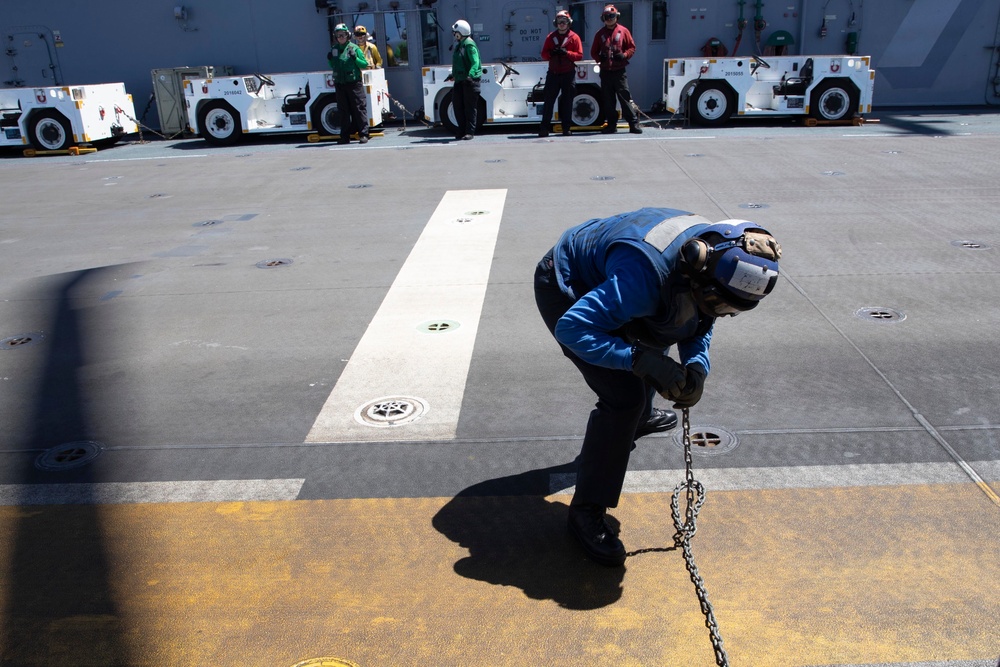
(617, 293)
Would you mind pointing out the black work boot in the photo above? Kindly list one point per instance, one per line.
(659, 420)
(589, 526)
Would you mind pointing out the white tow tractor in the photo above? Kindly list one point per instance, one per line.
(512, 93)
(58, 118)
(826, 88)
(222, 110)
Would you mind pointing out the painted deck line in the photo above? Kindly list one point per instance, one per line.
(115, 493)
(444, 279)
(794, 477)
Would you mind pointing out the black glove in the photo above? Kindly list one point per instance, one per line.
(449, 78)
(618, 55)
(558, 51)
(659, 371)
(329, 54)
(694, 385)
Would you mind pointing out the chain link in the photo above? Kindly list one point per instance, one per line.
(695, 498)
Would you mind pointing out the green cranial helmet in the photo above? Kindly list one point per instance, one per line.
(342, 27)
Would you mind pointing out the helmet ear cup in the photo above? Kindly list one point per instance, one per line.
(694, 253)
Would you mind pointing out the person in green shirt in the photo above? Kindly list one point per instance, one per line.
(348, 61)
(466, 71)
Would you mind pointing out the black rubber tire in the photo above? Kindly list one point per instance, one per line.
(712, 103)
(447, 113)
(219, 123)
(326, 116)
(49, 130)
(834, 100)
(586, 107)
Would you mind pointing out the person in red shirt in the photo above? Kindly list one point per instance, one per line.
(613, 47)
(562, 49)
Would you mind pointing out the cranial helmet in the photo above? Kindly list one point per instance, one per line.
(360, 30)
(342, 27)
(563, 14)
(462, 27)
(732, 264)
(609, 9)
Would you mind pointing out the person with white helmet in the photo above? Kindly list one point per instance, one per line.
(617, 293)
(466, 70)
(348, 61)
(562, 49)
(613, 47)
(367, 47)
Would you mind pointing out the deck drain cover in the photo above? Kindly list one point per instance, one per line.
(272, 263)
(476, 212)
(602, 178)
(970, 245)
(69, 455)
(879, 314)
(708, 441)
(359, 186)
(753, 205)
(390, 411)
(22, 340)
(438, 326)
(207, 223)
(158, 195)
(496, 161)
(695, 155)
(833, 173)
(301, 168)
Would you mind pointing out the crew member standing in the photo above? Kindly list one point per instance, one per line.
(613, 47)
(347, 61)
(372, 55)
(466, 71)
(562, 49)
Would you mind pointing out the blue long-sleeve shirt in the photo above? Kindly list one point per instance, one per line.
(630, 287)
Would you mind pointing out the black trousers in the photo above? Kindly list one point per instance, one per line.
(614, 88)
(353, 109)
(563, 85)
(623, 402)
(465, 101)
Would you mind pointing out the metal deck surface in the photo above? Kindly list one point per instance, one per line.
(186, 331)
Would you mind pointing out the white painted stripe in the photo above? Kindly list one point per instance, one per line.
(794, 477)
(444, 278)
(114, 493)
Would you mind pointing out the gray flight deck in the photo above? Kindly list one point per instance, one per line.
(180, 315)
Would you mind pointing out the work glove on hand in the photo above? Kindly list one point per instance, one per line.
(694, 385)
(329, 54)
(449, 78)
(558, 51)
(618, 55)
(659, 371)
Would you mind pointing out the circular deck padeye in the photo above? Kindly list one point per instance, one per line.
(880, 314)
(967, 244)
(273, 263)
(708, 441)
(21, 340)
(326, 662)
(69, 455)
(391, 411)
(438, 326)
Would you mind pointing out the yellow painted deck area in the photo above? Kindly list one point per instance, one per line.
(797, 577)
